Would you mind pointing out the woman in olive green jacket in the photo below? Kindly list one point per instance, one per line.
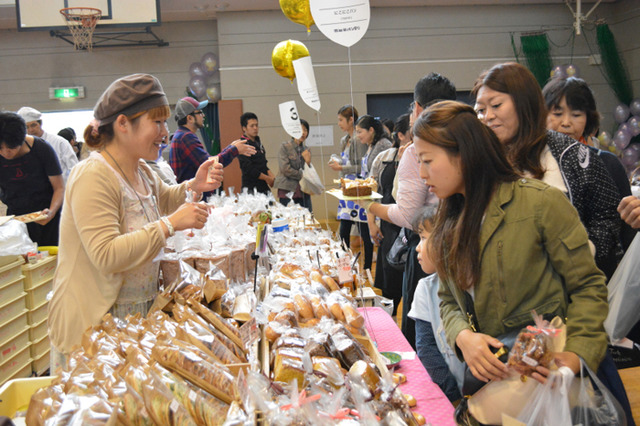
(512, 244)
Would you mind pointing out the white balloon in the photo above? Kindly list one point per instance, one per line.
(342, 21)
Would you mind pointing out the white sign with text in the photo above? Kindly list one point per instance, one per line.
(320, 136)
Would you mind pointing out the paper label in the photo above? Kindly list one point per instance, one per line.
(529, 361)
(345, 273)
(174, 406)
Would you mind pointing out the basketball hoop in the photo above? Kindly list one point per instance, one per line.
(81, 22)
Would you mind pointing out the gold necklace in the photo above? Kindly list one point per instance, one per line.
(133, 189)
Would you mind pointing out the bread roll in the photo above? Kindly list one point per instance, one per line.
(333, 286)
(319, 308)
(352, 316)
(303, 306)
(336, 311)
(410, 399)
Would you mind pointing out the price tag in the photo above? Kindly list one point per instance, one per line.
(345, 273)
(261, 239)
(249, 333)
(174, 405)
(193, 396)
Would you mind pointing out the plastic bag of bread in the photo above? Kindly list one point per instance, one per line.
(162, 406)
(236, 261)
(203, 407)
(78, 409)
(215, 284)
(220, 261)
(533, 346)
(222, 324)
(202, 329)
(245, 303)
(191, 364)
(44, 403)
(193, 333)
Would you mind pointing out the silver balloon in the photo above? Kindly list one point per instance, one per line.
(634, 107)
(209, 63)
(213, 93)
(197, 87)
(620, 113)
(196, 70)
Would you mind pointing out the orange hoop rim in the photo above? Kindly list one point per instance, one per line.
(80, 12)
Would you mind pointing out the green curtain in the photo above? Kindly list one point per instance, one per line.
(211, 130)
(535, 48)
(616, 73)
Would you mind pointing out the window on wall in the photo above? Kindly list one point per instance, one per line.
(393, 105)
(78, 120)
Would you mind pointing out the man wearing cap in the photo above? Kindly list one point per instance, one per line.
(187, 152)
(65, 153)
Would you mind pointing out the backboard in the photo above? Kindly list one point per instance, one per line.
(39, 15)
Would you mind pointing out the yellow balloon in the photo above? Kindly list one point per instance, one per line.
(284, 54)
(298, 11)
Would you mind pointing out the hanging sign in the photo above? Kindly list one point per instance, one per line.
(290, 119)
(342, 21)
(306, 80)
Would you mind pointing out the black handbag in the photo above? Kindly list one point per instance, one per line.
(397, 255)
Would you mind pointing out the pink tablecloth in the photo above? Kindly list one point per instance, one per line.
(432, 404)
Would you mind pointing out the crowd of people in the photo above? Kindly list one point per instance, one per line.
(504, 207)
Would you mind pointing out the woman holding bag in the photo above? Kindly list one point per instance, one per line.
(509, 244)
(292, 157)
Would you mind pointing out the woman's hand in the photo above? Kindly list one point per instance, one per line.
(334, 165)
(562, 359)
(208, 180)
(482, 363)
(374, 231)
(189, 215)
(306, 155)
(629, 209)
(243, 147)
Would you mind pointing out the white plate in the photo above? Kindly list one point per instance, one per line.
(338, 194)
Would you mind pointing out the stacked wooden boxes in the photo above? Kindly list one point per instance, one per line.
(38, 282)
(15, 338)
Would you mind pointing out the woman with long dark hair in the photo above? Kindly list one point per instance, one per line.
(506, 245)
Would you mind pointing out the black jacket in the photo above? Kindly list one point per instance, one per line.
(253, 166)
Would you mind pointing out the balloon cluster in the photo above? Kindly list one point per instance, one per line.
(628, 119)
(204, 76)
(565, 71)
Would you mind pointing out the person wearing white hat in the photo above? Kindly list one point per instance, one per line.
(65, 153)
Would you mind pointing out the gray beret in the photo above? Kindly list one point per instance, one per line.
(129, 95)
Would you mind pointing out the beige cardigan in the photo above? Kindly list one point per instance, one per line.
(95, 247)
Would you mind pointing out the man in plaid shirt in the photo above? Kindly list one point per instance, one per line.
(187, 152)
